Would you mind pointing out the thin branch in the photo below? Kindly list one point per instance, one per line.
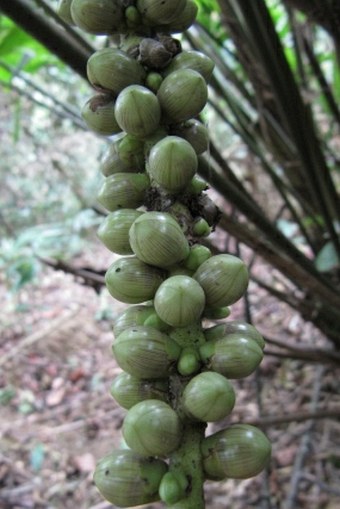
(268, 421)
(61, 43)
(305, 444)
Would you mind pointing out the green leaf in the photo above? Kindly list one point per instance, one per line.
(327, 258)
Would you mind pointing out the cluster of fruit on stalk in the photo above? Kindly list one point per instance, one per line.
(176, 369)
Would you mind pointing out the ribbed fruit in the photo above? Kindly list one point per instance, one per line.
(157, 239)
(239, 452)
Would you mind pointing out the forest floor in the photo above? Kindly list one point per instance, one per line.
(58, 418)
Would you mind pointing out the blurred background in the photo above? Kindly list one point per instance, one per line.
(273, 169)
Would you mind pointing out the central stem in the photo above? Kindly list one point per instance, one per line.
(187, 460)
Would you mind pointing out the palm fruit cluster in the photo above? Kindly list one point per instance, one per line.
(176, 370)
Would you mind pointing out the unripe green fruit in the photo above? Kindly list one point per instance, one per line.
(184, 20)
(111, 162)
(98, 113)
(189, 361)
(114, 230)
(179, 301)
(244, 329)
(133, 315)
(98, 17)
(157, 239)
(208, 397)
(128, 390)
(126, 479)
(145, 352)
(224, 279)
(172, 488)
(172, 163)
(195, 133)
(132, 281)
(196, 185)
(153, 81)
(123, 191)
(216, 313)
(154, 138)
(233, 356)
(239, 452)
(132, 16)
(131, 151)
(191, 59)
(160, 11)
(201, 227)
(182, 95)
(137, 111)
(152, 428)
(64, 11)
(112, 69)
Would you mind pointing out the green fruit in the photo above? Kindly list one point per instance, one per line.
(191, 59)
(182, 95)
(173, 487)
(131, 151)
(132, 281)
(126, 479)
(128, 390)
(208, 397)
(114, 230)
(145, 352)
(216, 313)
(123, 191)
(195, 133)
(153, 81)
(98, 17)
(132, 16)
(111, 69)
(224, 279)
(137, 111)
(152, 428)
(133, 315)
(233, 356)
(239, 452)
(172, 163)
(189, 361)
(235, 326)
(160, 11)
(157, 239)
(98, 113)
(111, 162)
(64, 11)
(184, 20)
(179, 301)
(201, 227)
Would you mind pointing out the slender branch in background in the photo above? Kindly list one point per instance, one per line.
(61, 43)
(291, 500)
(257, 24)
(25, 93)
(69, 112)
(321, 12)
(73, 33)
(324, 86)
(265, 495)
(273, 420)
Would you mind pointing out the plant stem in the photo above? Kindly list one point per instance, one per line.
(187, 460)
